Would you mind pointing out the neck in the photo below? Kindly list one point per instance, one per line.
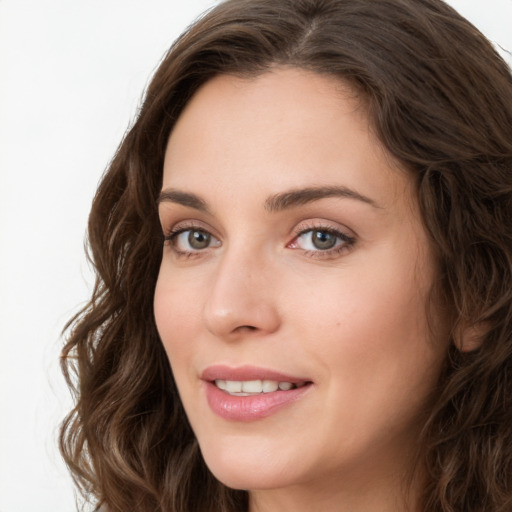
(363, 498)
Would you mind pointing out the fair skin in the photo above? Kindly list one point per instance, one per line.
(325, 288)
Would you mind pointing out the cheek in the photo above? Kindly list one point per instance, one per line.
(357, 303)
(371, 328)
(176, 315)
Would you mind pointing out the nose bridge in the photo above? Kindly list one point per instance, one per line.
(240, 295)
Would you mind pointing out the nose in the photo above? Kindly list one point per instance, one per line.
(242, 298)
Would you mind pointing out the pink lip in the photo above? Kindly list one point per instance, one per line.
(254, 407)
(247, 373)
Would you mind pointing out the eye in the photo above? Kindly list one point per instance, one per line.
(191, 240)
(320, 240)
(323, 242)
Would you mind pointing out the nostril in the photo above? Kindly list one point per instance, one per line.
(248, 328)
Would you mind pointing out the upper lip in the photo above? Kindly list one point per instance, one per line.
(246, 373)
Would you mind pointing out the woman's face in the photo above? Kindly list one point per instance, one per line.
(292, 293)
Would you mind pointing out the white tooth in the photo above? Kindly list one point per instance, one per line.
(269, 386)
(252, 386)
(244, 388)
(221, 384)
(233, 386)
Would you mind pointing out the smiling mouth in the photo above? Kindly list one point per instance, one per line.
(255, 387)
(249, 393)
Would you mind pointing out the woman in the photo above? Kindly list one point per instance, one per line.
(303, 250)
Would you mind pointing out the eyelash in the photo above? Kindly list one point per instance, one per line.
(173, 235)
(347, 241)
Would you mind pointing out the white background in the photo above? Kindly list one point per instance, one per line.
(71, 77)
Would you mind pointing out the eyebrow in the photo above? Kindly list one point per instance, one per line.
(275, 203)
(293, 198)
(184, 198)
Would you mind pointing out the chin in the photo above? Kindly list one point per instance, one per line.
(249, 480)
(245, 471)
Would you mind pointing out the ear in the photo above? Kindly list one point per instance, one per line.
(468, 339)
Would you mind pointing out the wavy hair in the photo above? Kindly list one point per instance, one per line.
(439, 98)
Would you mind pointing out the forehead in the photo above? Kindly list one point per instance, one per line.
(286, 128)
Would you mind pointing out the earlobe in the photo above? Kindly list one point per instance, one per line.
(470, 338)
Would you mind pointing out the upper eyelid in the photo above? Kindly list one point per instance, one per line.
(329, 229)
(319, 225)
(187, 224)
(344, 237)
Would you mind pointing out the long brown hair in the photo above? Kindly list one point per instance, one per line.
(440, 100)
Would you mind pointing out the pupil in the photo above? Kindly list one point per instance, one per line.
(323, 240)
(199, 239)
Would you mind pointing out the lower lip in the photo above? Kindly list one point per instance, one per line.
(253, 407)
